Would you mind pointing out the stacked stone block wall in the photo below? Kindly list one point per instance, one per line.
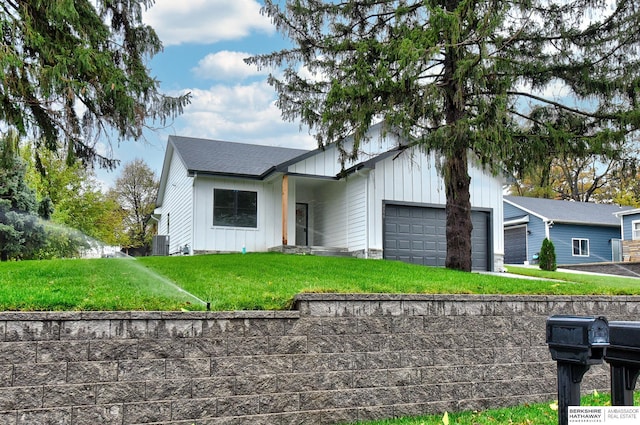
(335, 359)
(631, 250)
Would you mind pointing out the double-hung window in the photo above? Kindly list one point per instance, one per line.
(580, 247)
(235, 208)
(635, 230)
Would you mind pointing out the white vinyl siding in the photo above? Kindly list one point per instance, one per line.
(177, 207)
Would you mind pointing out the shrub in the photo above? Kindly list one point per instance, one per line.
(547, 256)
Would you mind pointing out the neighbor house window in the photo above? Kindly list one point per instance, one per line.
(235, 208)
(580, 247)
(635, 229)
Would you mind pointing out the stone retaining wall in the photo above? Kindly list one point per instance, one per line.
(335, 359)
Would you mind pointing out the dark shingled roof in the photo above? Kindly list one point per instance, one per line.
(568, 211)
(229, 158)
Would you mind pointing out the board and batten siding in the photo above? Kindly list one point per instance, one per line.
(268, 233)
(177, 206)
(331, 215)
(327, 162)
(412, 177)
(357, 212)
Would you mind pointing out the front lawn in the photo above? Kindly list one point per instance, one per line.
(261, 281)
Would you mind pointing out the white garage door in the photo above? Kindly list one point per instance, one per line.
(417, 235)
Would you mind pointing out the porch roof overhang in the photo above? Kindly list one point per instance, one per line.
(514, 221)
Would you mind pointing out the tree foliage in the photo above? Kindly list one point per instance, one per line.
(592, 179)
(464, 78)
(580, 180)
(77, 200)
(547, 258)
(21, 233)
(135, 191)
(73, 71)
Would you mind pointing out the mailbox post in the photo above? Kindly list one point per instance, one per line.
(623, 355)
(575, 343)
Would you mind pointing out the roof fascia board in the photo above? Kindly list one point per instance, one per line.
(584, 223)
(627, 212)
(528, 211)
(197, 173)
(313, 176)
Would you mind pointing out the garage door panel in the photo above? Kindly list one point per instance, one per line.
(404, 228)
(515, 245)
(417, 235)
(404, 244)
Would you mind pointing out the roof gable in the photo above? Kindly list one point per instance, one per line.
(568, 211)
(203, 156)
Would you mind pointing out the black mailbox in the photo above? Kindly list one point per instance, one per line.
(623, 355)
(576, 343)
(577, 339)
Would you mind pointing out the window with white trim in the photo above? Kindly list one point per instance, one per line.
(635, 230)
(580, 247)
(235, 208)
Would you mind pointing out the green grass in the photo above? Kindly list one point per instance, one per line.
(270, 281)
(528, 414)
(262, 281)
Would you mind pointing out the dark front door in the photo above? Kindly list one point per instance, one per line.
(302, 223)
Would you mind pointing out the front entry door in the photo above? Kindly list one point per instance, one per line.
(302, 223)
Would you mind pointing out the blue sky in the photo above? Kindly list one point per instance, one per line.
(204, 43)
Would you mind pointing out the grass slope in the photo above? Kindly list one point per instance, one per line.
(262, 281)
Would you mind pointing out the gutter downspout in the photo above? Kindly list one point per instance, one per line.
(548, 224)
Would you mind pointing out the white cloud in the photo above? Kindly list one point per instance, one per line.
(241, 113)
(206, 21)
(226, 65)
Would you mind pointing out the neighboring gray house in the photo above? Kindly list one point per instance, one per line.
(217, 196)
(581, 232)
(630, 222)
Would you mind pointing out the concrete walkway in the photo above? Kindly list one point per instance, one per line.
(560, 270)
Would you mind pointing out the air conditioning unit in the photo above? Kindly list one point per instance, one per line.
(160, 245)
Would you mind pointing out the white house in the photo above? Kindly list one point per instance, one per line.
(217, 196)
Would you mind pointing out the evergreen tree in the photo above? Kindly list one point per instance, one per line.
(468, 79)
(21, 234)
(547, 259)
(74, 71)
